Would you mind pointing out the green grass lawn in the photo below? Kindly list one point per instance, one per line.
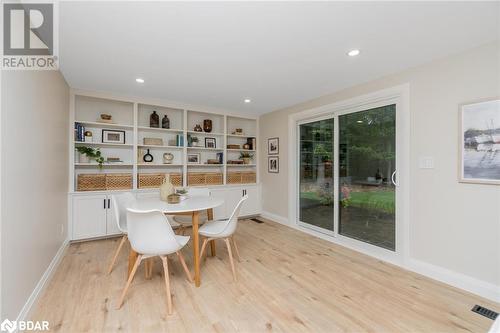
(382, 200)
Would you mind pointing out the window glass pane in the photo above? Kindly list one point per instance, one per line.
(316, 173)
(367, 160)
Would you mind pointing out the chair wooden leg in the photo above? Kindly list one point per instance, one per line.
(228, 244)
(212, 247)
(129, 281)
(236, 249)
(167, 284)
(183, 263)
(117, 252)
(203, 247)
(148, 268)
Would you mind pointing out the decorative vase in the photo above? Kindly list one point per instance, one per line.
(165, 122)
(167, 158)
(154, 120)
(147, 157)
(166, 188)
(207, 125)
(246, 160)
(198, 128)
(84, 158)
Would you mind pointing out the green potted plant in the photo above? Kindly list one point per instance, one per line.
(89, 153)
(246, 157)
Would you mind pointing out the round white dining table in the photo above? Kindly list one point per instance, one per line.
(190, 206)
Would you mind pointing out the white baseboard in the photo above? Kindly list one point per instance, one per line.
(40, 286)
(452, 278)
(455, 279)
(275, 218)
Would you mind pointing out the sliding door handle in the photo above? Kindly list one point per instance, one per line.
(393, 178)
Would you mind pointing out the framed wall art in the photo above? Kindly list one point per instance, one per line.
(480, 142)
(273, 146)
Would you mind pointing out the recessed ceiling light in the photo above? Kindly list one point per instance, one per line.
(247, 100)
(353, 53)
(139, 80)
(360, 121)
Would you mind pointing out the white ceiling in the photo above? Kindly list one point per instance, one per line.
(276, 53)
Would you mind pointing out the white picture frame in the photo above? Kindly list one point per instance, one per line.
(193, 158)
(113, 136)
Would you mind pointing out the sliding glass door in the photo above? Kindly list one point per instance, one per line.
(316, 184)
(347, 165)
(367, 164)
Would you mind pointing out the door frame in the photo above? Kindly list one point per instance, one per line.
(398, 95)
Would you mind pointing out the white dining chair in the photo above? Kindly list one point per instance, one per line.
(120, 203)
(150, 235)
(185, 221)
(223, 229)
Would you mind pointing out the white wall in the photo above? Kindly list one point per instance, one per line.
(453, 226)
(34, 174)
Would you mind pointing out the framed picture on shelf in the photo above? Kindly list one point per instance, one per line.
(480, 143)
(210, 143)
(113, 136)
(193, 158)
(273, 146)
(273, 164)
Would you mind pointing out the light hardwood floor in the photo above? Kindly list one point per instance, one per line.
(287, 282)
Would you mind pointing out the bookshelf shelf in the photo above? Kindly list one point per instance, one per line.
(158, 165)
(105, 165)
(95, 124)
(204, 148)
(125, 145)
(241, 165)
(160, 147)
(157, 129)
(205, 133)
(205, 165)
(238, 150)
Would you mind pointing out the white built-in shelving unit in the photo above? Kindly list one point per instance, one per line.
(132, 116)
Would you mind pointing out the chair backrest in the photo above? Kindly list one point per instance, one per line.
(199, 192)
(120, 204)
(150, 232)
(232, 222)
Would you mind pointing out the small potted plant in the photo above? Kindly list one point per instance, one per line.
(246, 157)
(89, 153)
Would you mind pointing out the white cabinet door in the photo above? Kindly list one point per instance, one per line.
(111, 227)
(89, 216)
(252, 205)
(221, 211)
(232, 197)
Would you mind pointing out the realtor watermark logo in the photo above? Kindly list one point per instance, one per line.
(29, 36)
(23, 325)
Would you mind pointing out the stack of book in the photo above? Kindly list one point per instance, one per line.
(79, 132)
